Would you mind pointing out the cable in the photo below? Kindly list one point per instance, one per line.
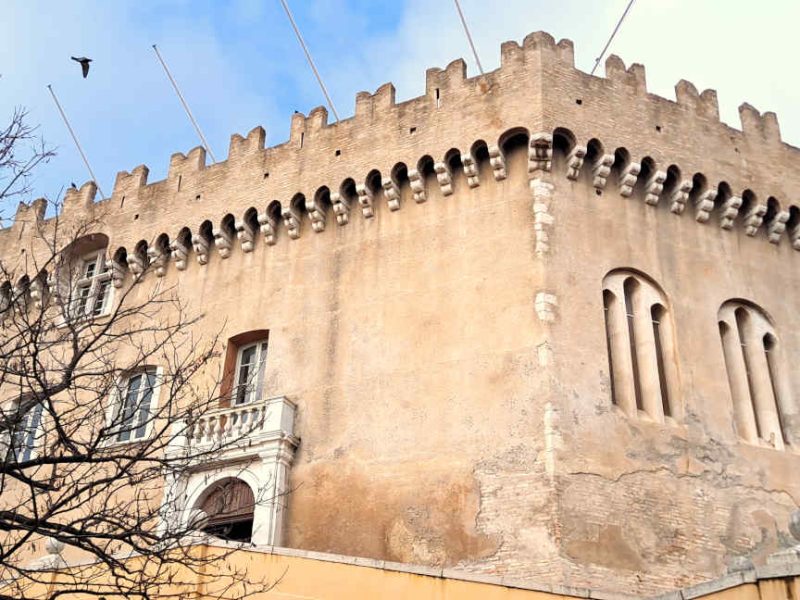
(75, 139)
(185, 105)
(613, 33)
(469, 36)
(308, 57)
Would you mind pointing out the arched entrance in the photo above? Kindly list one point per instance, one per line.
(228, 505)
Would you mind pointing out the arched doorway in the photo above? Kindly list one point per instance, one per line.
(228, 505)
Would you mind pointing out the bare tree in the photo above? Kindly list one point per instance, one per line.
(21, 152)
(86, 452)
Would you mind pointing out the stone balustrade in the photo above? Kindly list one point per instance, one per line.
(243, 424)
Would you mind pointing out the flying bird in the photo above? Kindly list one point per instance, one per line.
(84, 64)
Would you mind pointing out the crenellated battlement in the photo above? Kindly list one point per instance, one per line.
(607, 130)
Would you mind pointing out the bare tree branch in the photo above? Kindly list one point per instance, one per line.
(82, 473)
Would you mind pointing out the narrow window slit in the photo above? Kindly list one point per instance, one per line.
(628, 288)
(608, 299)
(656, 314)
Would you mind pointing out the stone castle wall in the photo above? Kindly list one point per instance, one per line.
(430, 274)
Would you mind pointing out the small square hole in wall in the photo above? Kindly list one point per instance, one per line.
(266, 175)
(412, 131)
(338, 153)
(578, 101)
(136, 217)
(658, 128)
(598, 192)
(197, 198)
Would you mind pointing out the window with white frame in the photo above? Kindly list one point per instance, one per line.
(92, 294)
(27, 434)
(132, 411)
(248, 385)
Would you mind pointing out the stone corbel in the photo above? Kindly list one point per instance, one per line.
(730, 210)
(417, 185)
(754, 218)
(470, 169)
(158, 260)
(180, 254)
(444, 177)
(37, 293)
(365, 200)
(200, 245)
(223, 242)
(291, 218)
(540, 153)
(601, 169)
(136, 265)
(246, 235)
(575, 162)
(777, 226)
(392, 193)
(679, 197)
(316, 212)
(653, 187)
(341, 208)
(628, 177)
(52, 281)
(794, 235)
(498, 163)
(704, 205)
(269, 227)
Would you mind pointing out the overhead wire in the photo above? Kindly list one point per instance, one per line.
(75, 139)
(309, 59)
(185, 105)
(610, 39)
(469, 36)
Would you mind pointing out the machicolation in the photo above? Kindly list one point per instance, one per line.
(609, 133)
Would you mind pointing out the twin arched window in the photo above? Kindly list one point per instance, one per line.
(750, 346)
(641, 348)
(643, 367)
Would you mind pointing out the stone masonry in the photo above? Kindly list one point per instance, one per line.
(430, 273)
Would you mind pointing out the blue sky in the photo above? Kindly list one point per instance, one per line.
(239, 64)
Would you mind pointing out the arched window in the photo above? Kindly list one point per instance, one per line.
(228, 507)
(86, 275)
(752, 359)
(640, 345)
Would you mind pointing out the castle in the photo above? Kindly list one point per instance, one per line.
(534, 325)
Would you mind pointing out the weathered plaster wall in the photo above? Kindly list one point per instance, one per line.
(448, 359)
(651, 505)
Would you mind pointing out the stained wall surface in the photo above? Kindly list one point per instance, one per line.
(448, 356)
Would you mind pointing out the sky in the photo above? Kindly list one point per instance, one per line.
(239, 64)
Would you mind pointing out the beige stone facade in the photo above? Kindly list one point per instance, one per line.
(438, 277)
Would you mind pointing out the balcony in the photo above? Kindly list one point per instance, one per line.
(253, 442)
(241, 429)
